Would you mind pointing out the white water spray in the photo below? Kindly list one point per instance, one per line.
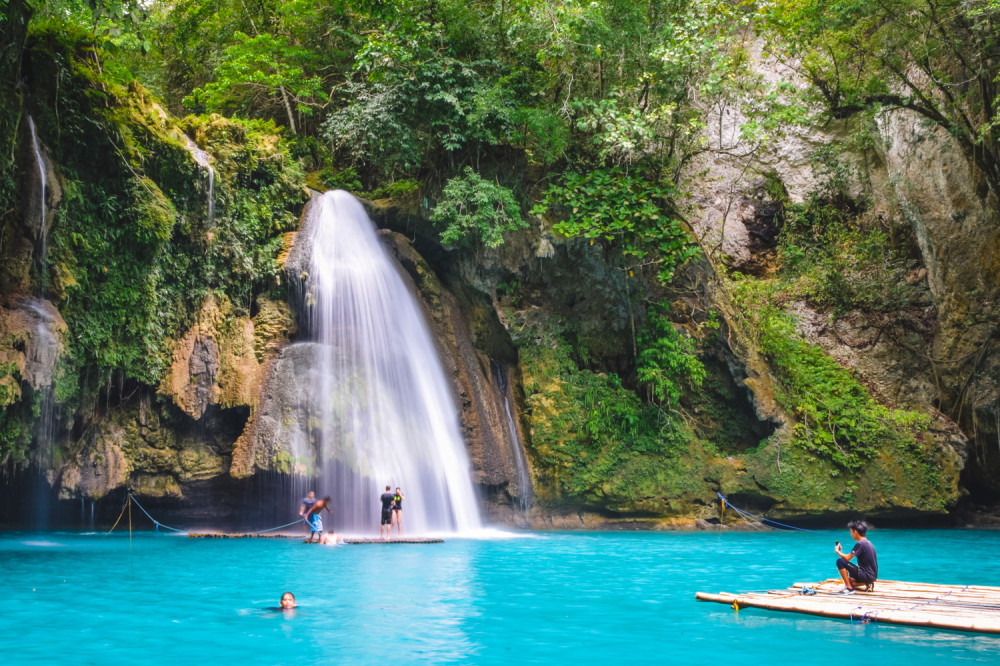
(520, 461)
(384, 405)
(43, 176)
(202, 158)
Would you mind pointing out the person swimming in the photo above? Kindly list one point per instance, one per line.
(287, 601)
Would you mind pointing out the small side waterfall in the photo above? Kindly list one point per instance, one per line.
(524, 489)
(43, 177)
(204, 161)
(383, 405)
(42, 350)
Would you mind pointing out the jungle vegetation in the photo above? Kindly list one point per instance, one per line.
(608, 102)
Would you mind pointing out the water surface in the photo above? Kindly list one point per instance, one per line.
(588, 598)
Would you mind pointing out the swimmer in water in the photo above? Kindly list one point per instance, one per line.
(287, 601)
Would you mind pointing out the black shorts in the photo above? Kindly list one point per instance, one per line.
(386, 517)
(853, 571)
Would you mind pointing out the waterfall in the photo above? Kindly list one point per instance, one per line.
(43, 176)
(42, 352)
(385, 411)
(203, 160)
(520, 461)
(211, 195)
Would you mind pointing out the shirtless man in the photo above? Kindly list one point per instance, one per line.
(315, 520)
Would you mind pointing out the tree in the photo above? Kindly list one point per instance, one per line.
(937, 58)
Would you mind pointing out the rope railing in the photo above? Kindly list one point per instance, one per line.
(130, 499)
(746, 514)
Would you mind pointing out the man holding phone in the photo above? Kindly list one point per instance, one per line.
(865, 572)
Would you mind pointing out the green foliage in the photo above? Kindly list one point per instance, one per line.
(474, 210)
(668, 362)
(263, 67)
(133, 255)
(395, 190)
(937, 58)
(624, 207)
(837, 418)
(592, 438)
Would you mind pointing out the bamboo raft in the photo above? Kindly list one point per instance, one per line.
(272, 535)
(973, 608)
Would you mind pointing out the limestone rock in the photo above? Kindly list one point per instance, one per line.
(215, 363)
(100, 466)
(277, 435)
(31, 333)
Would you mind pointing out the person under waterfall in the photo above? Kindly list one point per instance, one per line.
(397, 512)
(385, 528)
(315, 520)
(307, 503)
(865, 572)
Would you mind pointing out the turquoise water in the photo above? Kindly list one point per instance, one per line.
(587, 598)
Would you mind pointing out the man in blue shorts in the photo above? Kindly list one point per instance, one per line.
(315, 520)
(865, 572)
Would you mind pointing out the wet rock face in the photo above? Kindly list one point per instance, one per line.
(469, 337)
(279, 428)
(31, 331)
(929, 184)
(216, 362)
(100, 467)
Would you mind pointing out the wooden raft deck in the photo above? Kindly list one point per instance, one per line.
(954, 607)
(271, 535)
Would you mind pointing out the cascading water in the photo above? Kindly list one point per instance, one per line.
(523, 475)
(202, 158)
(43, 177)
(385, 413)
(42, 351)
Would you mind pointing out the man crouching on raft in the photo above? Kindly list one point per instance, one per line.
(865, 572)
(315, 520)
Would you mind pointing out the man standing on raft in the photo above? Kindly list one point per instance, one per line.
(386, 526)
(307, 503)
(865, 572)
(315, 520)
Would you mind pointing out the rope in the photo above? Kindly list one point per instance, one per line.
(119, 518)
(280, 527)
(726, 502)
(131, 498)
(157, 523)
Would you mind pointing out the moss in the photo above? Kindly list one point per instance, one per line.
(594, 443)
(133, 253)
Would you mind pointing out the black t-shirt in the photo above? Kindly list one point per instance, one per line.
(387, 501)
(399, 501)
(867, 562)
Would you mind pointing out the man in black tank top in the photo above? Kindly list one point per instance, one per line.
(386, 525)
(397, 511)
